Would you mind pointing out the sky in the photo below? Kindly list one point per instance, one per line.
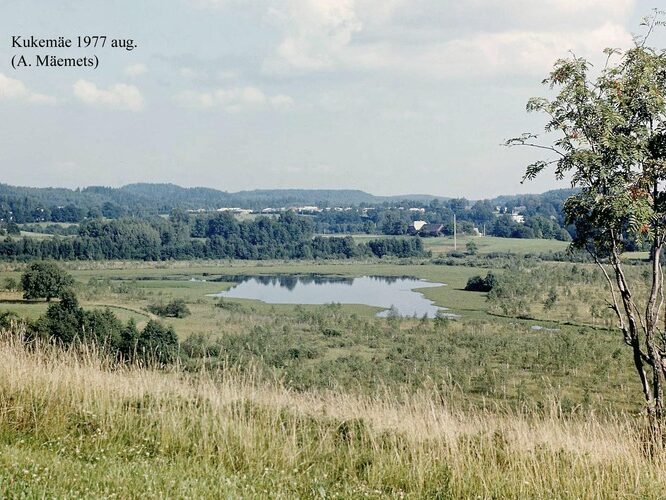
(387, 96)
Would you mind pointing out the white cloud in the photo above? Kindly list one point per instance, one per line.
(605, 7)
(16, 90)
(136, 69)
(316, 31)
(407, 36)
(234, 100)
(505, 53)
(118, 96)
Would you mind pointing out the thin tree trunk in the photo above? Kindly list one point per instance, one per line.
(638, 356)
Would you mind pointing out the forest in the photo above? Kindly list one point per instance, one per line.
(338, 211)
(220, 236)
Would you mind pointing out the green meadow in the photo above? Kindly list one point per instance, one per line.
(310, 400)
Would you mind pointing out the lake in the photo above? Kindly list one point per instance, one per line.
(395, 295)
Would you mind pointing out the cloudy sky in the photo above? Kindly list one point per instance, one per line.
(389, 96)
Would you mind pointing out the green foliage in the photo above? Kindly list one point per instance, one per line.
(157, 342)
(550, 300)
(67, 323)
(177, 308)
(45, 280)
(611, 142)
(11, 284)
(12, 229)
(410, 247)
(218, 236)
(479, 284)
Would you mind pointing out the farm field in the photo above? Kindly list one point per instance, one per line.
(485, 244)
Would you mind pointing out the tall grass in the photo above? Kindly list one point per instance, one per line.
(73, 424)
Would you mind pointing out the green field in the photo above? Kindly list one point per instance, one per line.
(485, 244)
(513, 389)
(287, 340)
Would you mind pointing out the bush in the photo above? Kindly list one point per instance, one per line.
(479, 284)
(11, 285)
(177, 308)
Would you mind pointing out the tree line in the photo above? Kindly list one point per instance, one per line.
(220, 236)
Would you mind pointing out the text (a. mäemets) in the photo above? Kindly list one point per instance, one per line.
(51, 61)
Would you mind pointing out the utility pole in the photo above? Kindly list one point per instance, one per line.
(455, 239)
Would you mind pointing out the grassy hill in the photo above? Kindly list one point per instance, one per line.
(72, 425)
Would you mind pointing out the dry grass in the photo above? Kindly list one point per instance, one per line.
(73, 425)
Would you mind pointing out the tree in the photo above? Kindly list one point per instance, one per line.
(611, 140)
(157, 342)
(45, 280)
(471, 247)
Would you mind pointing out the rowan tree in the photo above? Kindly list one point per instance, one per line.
(606, 132)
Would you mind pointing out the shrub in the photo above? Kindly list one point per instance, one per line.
(479, 284)
(177, 308)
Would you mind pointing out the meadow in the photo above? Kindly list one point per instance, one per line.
(486, 244)
(522, 396)
(71, 426)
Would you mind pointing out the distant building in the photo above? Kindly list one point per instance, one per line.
(517, 214)
(235, 210)
(431, 230)
(308, 209)
(416, 226)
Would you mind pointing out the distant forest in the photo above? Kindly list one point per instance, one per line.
(163, 221)
(28, 204)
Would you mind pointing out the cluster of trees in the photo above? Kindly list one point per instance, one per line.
(543, 217)
(183, 236)
(66, 322)
(534, 227)
(45, 280)
(10, 228)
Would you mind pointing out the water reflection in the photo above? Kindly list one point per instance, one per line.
(397, 295)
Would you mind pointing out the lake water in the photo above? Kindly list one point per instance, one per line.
(399, 295)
